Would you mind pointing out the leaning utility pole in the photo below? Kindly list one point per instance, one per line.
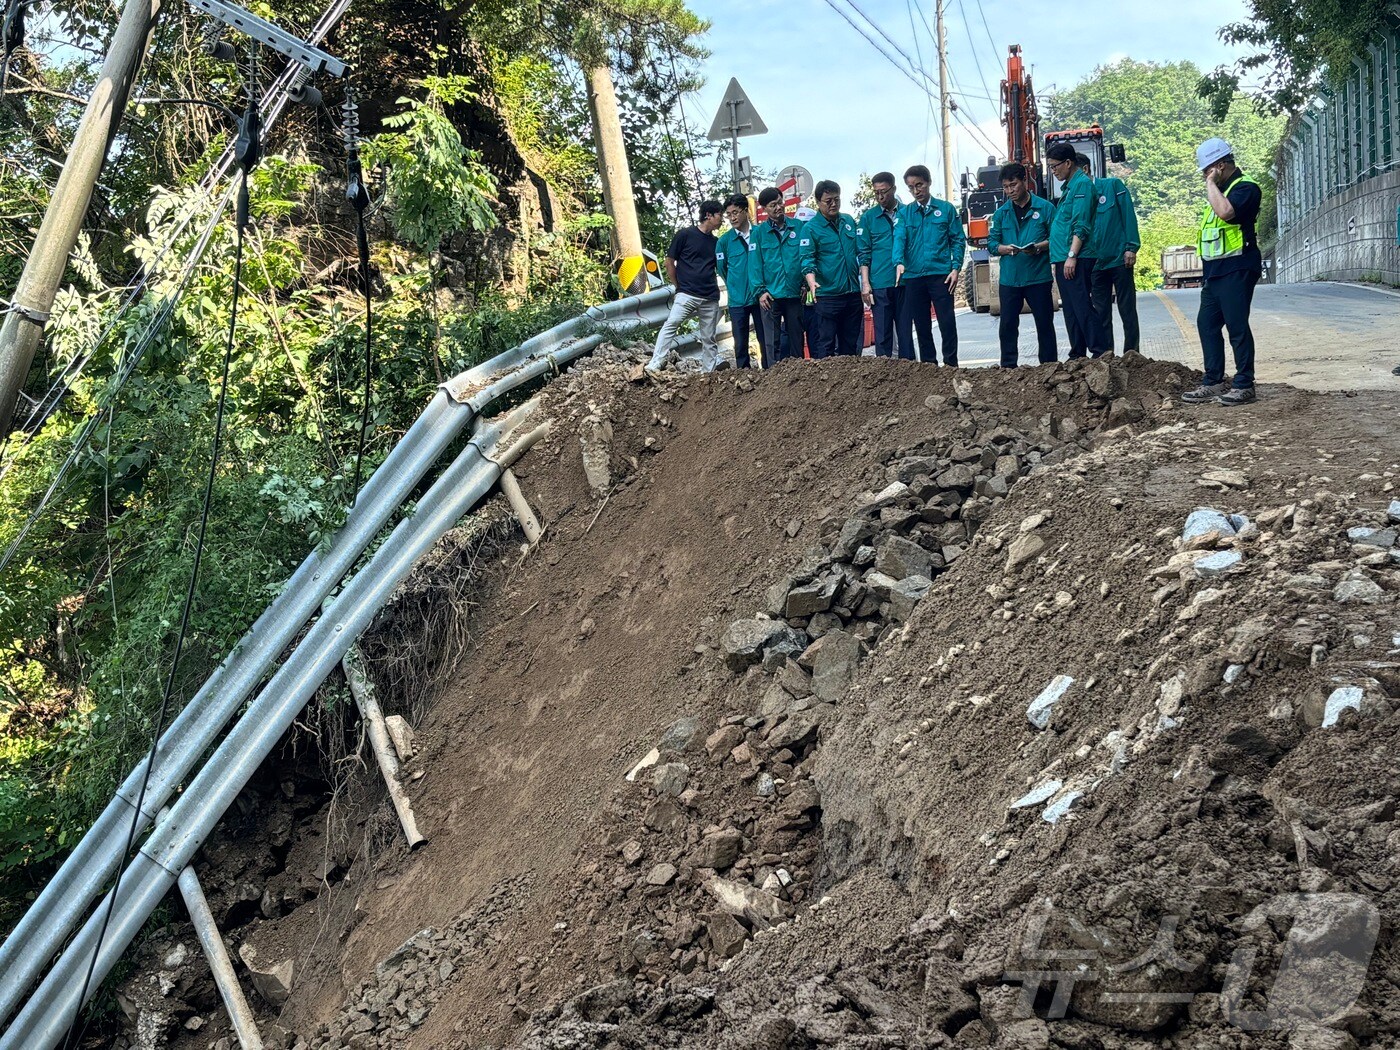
(945, 106)
(23, 328)
(613, 168)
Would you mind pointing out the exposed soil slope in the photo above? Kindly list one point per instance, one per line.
(828, 595)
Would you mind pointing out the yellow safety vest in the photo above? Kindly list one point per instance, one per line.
(1219, 239)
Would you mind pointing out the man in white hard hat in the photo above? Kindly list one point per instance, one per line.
(1231, 266)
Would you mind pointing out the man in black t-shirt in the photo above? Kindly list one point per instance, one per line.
(690, 263)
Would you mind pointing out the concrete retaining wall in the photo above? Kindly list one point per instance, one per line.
(1351, 237)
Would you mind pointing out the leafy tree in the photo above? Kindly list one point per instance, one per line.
(1298, 44)
(436, 186)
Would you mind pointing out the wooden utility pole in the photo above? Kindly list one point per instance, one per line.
(945, 105)
(613, 168)
(23, 329)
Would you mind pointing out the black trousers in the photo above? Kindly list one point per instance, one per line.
(839, 319)
(885, 313)
(782, 328)
(741, 319)
(1225, 302)
(1080, 321)
(1042, 306)
(922, 294)
(1107, 284)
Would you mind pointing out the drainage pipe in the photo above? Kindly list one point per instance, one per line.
(380, 744)
(245, 1025)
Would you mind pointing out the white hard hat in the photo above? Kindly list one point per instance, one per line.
(1211, 150)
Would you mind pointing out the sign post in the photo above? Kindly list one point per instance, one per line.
(736, 119)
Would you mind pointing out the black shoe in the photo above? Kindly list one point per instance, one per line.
(1239, 396)
(1204, 394)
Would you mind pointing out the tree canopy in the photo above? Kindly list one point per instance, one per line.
(1297, 45)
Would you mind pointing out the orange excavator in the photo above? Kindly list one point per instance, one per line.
(1024, 144)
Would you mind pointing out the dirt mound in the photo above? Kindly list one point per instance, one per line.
(966, 745)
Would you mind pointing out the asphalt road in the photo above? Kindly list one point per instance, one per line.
(1318, 336)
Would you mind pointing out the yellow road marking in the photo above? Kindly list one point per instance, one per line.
(1188, 330)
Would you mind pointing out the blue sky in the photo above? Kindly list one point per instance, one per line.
(835, 106)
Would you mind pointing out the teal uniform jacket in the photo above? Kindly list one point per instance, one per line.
(1022, 271)
(737, 264)
(1074, 217)
(1115, 224)
(875, 244)
(779, 269)
(929, 239)
(829, 253)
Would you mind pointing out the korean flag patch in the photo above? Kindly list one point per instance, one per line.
(1103, 200)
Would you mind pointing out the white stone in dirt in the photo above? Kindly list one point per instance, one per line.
(648, 760)
(1218, 564)
(1392, 513)
(1232, 673)
(1041, 708)
(1036, 795)
(1348, 697)
(891, 492)
(1357, 589)
(1061, 806)
(1205, 520)
(738, 899)
(1171, 693)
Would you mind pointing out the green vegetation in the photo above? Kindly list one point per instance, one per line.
(1156, 113)
(1298, 46)
(477, 106)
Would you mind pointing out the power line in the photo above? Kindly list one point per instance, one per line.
(996, 51)
(890, 40)
(884, 54)
(967, 32)
(914, 34)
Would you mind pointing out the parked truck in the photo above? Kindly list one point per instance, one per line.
(1181, 267)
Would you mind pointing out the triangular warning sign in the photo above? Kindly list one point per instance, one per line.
(736, 116)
